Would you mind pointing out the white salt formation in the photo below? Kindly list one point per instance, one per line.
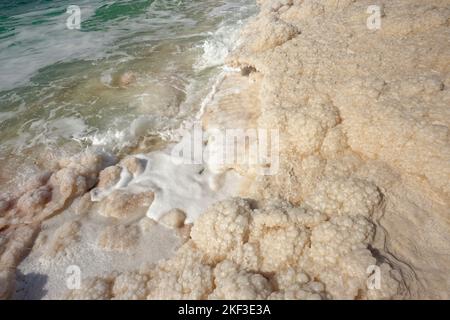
(364, 117)
(276, 252)
(63, 237)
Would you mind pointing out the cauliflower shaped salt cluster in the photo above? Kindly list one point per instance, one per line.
(275, 251)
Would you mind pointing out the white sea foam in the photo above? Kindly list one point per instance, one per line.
(191, 188)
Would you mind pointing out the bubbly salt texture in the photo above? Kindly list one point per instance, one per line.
(134, 73)
(130, 81)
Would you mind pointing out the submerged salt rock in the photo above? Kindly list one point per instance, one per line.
(17, 240)
(64, 186)
(122, 204)
(127, 78)
(34, 200)
(86, 165)
(7, 282)
(133, 164)
(88, 162)
(63, 182)
(118, 237)
(66, 235)
(146, 223)
(37, 181)
(173, 219)
(108, 177)
(83, 204)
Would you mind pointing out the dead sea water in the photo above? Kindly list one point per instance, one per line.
(133, 72)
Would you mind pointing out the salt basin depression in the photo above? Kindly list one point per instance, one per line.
(95, 204)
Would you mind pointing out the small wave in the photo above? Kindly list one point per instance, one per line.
(217, 47)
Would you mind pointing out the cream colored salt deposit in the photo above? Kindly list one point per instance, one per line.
(273, 252)
(64, 236)
(122, 204)
(173, 218)
(146, 224)
(118, 237)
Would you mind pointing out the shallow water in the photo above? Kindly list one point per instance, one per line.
(135, 71)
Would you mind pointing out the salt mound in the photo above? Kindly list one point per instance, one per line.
(273, 252)
(362, 110)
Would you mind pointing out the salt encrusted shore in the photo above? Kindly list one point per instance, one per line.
(363, 184)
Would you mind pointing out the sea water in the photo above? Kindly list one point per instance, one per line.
(124, 80)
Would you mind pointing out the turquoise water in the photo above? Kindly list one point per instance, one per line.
(134, 71)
